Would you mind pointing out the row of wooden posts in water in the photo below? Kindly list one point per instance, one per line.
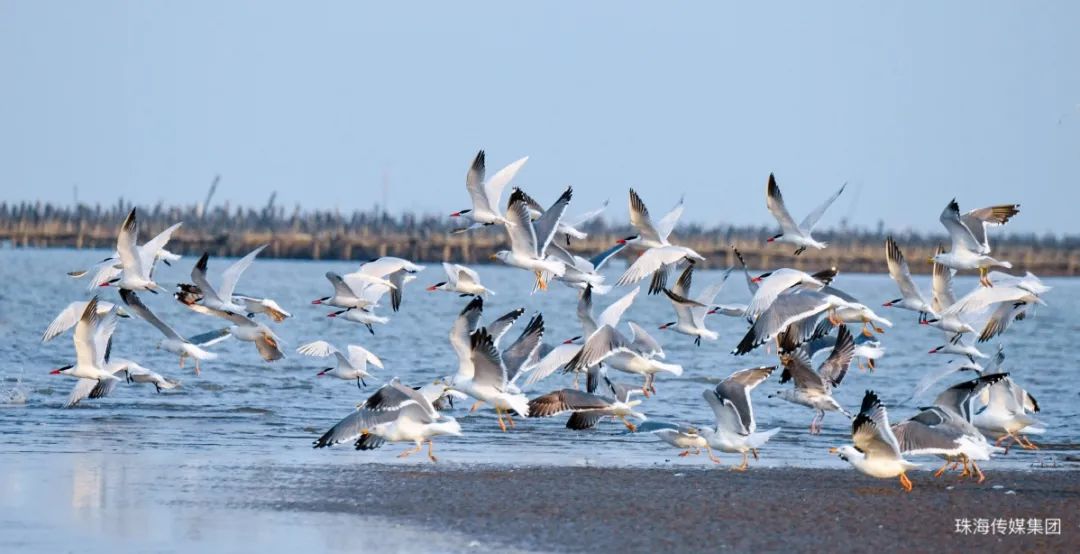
(863, 254)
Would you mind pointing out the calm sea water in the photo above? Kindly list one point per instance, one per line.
(242, 407)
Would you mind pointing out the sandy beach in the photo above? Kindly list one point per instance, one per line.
(605, 509)
(101, 502)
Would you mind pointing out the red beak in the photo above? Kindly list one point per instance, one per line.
(316, 301)
(432, 288)
(934, 351)
(568, 341)
(755, 279)
(924, 323)
(621, 241)
(770, 239)
(455, 214)
(54, 372)
(104, 285)
(331, 315)
(887, 304)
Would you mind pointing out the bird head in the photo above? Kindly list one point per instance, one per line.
(61, 371)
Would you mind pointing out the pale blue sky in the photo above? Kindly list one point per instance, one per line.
(911, 102)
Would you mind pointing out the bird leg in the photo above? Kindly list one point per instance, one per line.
(982, 476)
(800, 250)
(745, 463)
(1026, 443)
(966, 472)
(476, 405)
(628, 424)
(905, 482)
(540, 283)
(183, 356)
(197, 370)
(684, 453)
(712, 456)
(410, 451)
(870, 364)
(358, 384)
(509, 419)
(943, 468)
(754, 451)
(498, 414)
(984, 277)
(431, 451)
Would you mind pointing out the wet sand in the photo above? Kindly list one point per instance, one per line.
(623, 509)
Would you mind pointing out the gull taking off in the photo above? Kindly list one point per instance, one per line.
(875, 451)
(485, 194)
(970, 245)
(736, 429)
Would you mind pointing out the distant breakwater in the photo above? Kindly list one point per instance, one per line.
(429, 240)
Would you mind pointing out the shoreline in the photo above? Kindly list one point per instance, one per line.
(687, 509)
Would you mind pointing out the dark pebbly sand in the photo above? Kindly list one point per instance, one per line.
(577, 509)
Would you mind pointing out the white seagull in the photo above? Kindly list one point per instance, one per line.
(813, 389)
(529, 240)
(875, 451)
(970, 245)
(690, 312)
(588, 409)
(69, 316)
(653, 239)
(110, 268)
(92, 334)
(395, 413)
(736, 430)
(461, 280)
(791, 233)
(221, 298)
(137, 264)
(349, 367)
(173, 342)
(485, 194)
(910, 296)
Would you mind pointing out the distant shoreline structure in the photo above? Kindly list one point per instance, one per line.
(362, 235)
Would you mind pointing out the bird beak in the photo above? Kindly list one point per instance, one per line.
(431, 288)
(455, 214)
(332, 314)
(54, 372)
(887, 304)
(929, 260)
(755, 279)
(493, 257)
(104, 284)
(621, 241)
(834, 450)
(317, 301)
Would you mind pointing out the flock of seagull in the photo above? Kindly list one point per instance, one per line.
(802, 316)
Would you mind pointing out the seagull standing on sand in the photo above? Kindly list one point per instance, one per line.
(349, 367)
(875, 451)
(736, 429)
(791, 233)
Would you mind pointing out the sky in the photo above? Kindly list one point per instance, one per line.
(334, 104)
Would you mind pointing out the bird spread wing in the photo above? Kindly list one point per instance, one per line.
(775, 202)
(613, 313)
(232, 274)
(495, 185)
(666, 225)
(836, 365)
(899, 271)
(639, 218)
(547, 224)
(566, 400)
(812, 218)
(870, 430)
(519, 227)
(138, 308)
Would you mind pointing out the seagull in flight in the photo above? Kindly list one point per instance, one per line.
(791, 233)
